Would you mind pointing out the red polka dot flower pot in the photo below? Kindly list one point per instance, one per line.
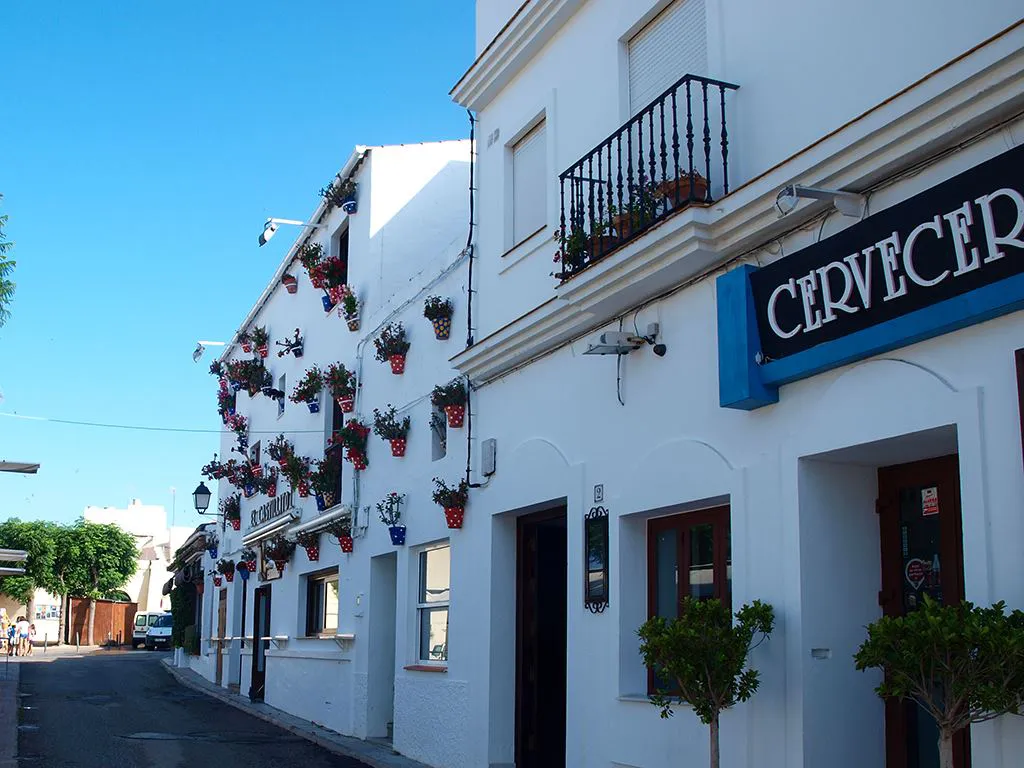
(454, 516)
(347, 404)
(251, 566)
(397, 364)
(229, 576)
(313, 553)
(303, 490)
(456, 415)
(217, 581)
(236, 523)
(346, 543)
(263, 350)
(398, 447)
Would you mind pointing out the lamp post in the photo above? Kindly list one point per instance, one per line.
(201, 497)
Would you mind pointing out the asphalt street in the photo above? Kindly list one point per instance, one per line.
(123, 710)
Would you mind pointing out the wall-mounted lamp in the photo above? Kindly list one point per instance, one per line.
(201, 347)
(270, 227)
(621, 343)
(847, 203)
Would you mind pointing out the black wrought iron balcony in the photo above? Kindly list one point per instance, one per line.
(655, 165)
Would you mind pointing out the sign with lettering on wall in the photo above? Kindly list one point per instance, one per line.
(958, 236)
(276, 507)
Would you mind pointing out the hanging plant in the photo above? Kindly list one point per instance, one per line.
(213, 470)
(324, 480)
(226, 403)
(246, 341)
(279, 449)
(341, 383)
(260, 340)
(387, 426)
(439, 312)
(341, 530)
(310, 255)
(452, 398)
(353, 436)
(231, 508)
(226, 568)
(290, 282)
(268, 485)
(341, 193)
(240, 426)
(217, 369)
(247, 374)
(308, 389)
(390, 511)
(247, 558)
(348, 307)
(211, 546)
(296, 470)
(453, 500)
(280, 550)
(391, 347)
(310, 542)
(291, 346)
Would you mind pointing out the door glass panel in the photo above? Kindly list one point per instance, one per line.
(667, 573)
(702, 571)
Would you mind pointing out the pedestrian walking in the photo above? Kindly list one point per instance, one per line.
(5, 625)
(22, 631)
(31, 637)
(11, 632)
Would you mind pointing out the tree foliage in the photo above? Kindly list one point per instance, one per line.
(961, 663)
(6, 269)
(39, 540)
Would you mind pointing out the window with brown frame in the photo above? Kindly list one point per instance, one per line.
(688, 555)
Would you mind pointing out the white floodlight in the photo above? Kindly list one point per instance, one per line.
(847, 203)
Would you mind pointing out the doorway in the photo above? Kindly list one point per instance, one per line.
(383, 611)
(541, 617)
(222, 619)
(260, 642)
(921, 536)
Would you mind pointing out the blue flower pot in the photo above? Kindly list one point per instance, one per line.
(328, 304)
(235, 385)
(243, 572)
(213, 552)
(314, 406)
(249, 491)
(321, 505)
(231, 411)
(350, 206)
(397, 534)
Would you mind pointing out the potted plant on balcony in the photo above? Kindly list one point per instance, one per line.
(439, 312)
(310, 255)
(452, 398)
(296, 470)
(577, 247)
(679, 191)
(231, 508)
(341, 193)
(308, 389)
(310, 542)
(390, 511)
(388, 426)
(341, 383)
(291, 346)
(453, 500)
(279, 449)
(341, 529)
(638, 210)
(391, 347)
(324, 480)
(353, 436)
(260, 340)
(226, 568)
(280, 550)
(290, 282)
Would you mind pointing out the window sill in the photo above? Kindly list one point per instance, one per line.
(525, 248)
(640, 697)
(425, 668)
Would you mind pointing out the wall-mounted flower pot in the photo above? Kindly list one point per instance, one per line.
(397, 364)
(456, 415)
(213, 551)
(272, 490)
(236, 523)
(243, 572)
(350, 205)
(303, 490)
(397, 533)
(247, 347)
(280, 565)
(291, 283)
(297, 351)
(347, 404)
(346, 543)
(454, 515)
(263, 350)
(236, 385)
(216, 581)
(312, 554)
(314, 406)
(251, 564)
(249, 491)
(359, 461)
(229, 576)
(442, 328)
(282, 462)
(353, 323)
(321, 503)
(328, 304)
(257, 470)
(398, 447)
(329, 499)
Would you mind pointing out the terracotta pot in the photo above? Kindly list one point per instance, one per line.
(397, 364)
(454, 515)
(442, 328)
(236, 523)
(247, 347)
(347, 404)
(216, 581)
(679, 189)
(398, 447)
(353, 323)
(313, 553)
(263, 350)
(229, 576)
(290, 283)
(455, 414)
(346, 543)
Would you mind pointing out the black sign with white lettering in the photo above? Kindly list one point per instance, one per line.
(958, 236)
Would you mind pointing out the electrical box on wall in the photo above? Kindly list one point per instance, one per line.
(488, 453)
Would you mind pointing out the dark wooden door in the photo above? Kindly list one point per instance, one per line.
(260, 642)
(222, 617)
(541, 610)
(922, 553)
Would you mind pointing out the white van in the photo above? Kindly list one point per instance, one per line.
(143, 621)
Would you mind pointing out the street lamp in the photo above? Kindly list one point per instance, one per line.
(201, 496)
(270, 227)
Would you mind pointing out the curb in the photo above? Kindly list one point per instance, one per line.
(312, 732)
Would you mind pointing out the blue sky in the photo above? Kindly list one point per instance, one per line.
(141, 148)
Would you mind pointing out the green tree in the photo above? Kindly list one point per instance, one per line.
(960, 663)
(6, 268)
(39, 540)
(702, 654)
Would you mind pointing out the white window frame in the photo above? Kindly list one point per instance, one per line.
(424, 608)
(529, 132)
(326, 577)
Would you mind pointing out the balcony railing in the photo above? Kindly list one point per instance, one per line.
(653, 166)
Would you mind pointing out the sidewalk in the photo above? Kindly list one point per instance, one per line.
(10, 672)
(372, 754)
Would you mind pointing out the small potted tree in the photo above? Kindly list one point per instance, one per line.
(291, 346)
(310, 542)
(353, 436)
(308, 389)
(702, 654)
(388, 426)
(279, 449)
(390, 511)
(960, 663)
(324, 479)
(280, 550)
(342, 194)
(341, 383)
(452, 398)
(453, 500)
(231, 508)
(391, 347)
(439, 312)
(341, 529)
(226, 568)
(260, 340)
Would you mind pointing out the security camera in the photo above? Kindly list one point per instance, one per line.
(659, 350)
(268, 232)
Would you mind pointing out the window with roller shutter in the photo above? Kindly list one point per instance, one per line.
(673, 44)
(529, 186)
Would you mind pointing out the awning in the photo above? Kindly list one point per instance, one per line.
(21, 467)
(277, 525)
(320, 522)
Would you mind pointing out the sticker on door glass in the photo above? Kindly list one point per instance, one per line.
(915, 571)
(929, 501)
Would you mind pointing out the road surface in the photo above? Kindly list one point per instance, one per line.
(123, 710)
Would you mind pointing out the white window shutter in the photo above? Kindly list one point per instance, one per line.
(672, 45)
(529, 185)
